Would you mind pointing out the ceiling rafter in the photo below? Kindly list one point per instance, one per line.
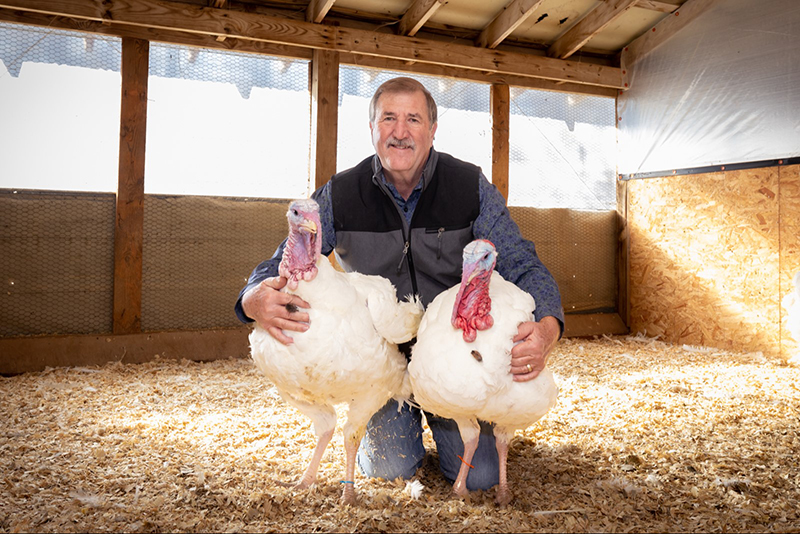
(589, 26)
(506, 22)
(664, 30)
(417, 15)
(658, 5)
(317, 10)
(161, 15)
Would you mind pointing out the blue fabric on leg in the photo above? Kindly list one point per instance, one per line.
(486, 464)
(392, 446)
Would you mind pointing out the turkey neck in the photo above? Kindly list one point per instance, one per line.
(472, 306)
(300, 257)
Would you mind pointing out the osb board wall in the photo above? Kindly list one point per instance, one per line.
(712, 255)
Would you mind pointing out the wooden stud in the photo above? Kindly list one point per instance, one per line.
(500, 104)
(324, 114)
(129, 227)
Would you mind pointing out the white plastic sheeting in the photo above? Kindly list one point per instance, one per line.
(723, 90)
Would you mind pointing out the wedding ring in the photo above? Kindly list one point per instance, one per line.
(529, 368)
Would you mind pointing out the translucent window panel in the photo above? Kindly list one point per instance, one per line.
(464, 130)
(226, 124)
(563, 150)
(59, 109)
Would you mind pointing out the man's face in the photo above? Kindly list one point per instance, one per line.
(402, 134)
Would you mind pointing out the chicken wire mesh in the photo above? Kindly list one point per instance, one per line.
(226, 124)
(57, 262)
(198, 253)
(579, 248)
(199, 249)
(59, 109)
(562, 150)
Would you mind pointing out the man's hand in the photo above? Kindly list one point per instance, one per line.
(274, 310)
(529, 357)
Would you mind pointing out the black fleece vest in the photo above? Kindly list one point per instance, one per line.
(372, 236)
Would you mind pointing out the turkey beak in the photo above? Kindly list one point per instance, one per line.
(309, 226)
(470, 272)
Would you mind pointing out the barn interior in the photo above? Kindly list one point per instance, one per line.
(649, 148)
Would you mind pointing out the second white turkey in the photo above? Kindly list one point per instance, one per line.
(460, 366)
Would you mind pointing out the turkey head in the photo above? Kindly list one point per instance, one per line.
(304, 243)
(473, 304)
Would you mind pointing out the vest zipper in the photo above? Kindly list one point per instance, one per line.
(405, 253)
(439, 243)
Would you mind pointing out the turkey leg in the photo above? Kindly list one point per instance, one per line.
(504, 496)
(470, 432)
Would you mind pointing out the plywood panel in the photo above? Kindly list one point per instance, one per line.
(790, 248)
(705, 259)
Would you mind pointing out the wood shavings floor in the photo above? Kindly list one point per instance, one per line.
(646, 437)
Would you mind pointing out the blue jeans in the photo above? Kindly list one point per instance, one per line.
(392, 447)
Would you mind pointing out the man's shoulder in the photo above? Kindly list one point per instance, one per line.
(449, 160)
(365, 166)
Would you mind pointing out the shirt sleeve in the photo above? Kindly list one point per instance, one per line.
(517, 260)
(269, 268)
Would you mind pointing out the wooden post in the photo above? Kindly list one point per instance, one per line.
(129, 227)
(324, 114)
(500, 103)
(623, 254)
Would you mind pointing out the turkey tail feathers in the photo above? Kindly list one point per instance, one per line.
(396, 321)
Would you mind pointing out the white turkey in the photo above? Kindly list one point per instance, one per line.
(349, 352)
(461, 363)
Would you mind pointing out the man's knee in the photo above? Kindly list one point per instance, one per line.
(392, 446)
(484, 471)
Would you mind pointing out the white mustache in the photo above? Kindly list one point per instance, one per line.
(400, 143)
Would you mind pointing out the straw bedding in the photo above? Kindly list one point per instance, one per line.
(646, 437)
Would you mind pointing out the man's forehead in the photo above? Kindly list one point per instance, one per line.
(405, 112)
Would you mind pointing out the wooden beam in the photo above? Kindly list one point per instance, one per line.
(417, 15)
(659, 5)
(506, 22)
(317, 10)
(589, 26)
(324, 114)
(32, 354)
(154, 34)
(500, 103)
(129, 227)
(663, 31)
(252, 26)
(474, 75)
(623, 253)
(593, 324)
(260, 47)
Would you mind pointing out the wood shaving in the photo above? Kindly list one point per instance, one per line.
(646, 436)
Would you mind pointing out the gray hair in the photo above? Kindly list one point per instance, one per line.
(403, 85)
